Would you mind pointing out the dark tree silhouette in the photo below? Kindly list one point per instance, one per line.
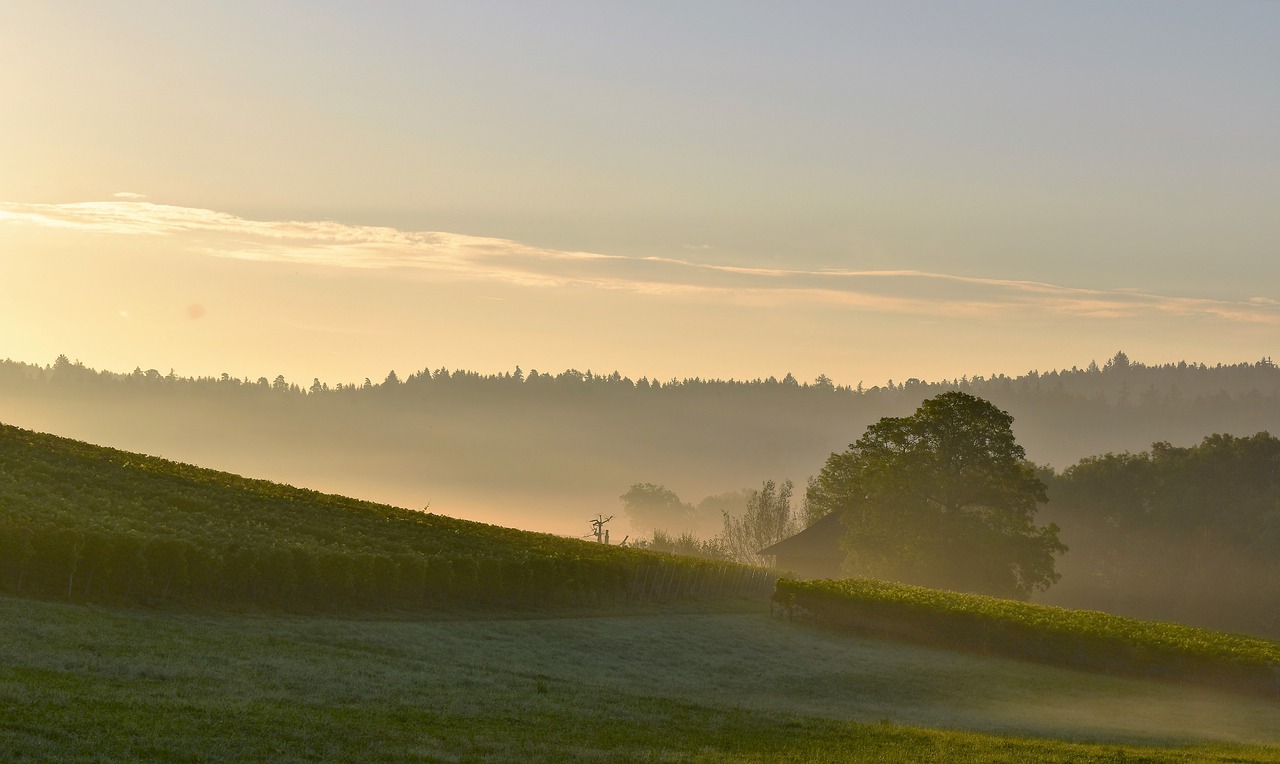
(942, 498)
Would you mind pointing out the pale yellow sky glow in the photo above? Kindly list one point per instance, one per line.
(380, 287)
(869, 191)
(445, 255)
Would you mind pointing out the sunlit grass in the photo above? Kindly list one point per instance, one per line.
(91, 683)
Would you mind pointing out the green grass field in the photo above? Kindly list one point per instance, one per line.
(722, 682)
(94, 524)
(169, 613)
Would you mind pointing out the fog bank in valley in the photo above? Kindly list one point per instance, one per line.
(550, 452)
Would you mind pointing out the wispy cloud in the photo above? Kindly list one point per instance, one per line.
(330, 244)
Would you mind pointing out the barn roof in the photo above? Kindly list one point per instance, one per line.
(822, 539)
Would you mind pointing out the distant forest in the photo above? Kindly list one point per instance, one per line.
(548, 451)
(1165, 491)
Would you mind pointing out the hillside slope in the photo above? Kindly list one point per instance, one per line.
(485, 674)
(83, 522)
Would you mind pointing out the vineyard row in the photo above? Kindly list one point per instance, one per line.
(134, 569)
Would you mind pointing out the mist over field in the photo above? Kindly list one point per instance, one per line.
(549, 452)
(502, 381)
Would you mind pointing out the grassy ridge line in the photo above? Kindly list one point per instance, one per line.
(95, 524)
(1080, 639)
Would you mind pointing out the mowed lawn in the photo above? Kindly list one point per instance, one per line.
(715, 683)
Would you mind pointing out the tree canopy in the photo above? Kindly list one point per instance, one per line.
(1176, 533)
(655, 507)
(942, 498)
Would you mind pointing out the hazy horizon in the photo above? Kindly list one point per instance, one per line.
(305, 379)
(549, 454)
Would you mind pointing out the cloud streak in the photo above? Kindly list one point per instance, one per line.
(441, 255)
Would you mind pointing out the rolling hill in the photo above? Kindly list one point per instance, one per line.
(160, 611)
(94, 524)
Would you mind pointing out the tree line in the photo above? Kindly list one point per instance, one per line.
(561, 446)
(945, 498)
(1119, 380)
(1186, 533)
(1063, 415)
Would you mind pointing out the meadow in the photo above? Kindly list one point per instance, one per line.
(157, 611)
(722, 681)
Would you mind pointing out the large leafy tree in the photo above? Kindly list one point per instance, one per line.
(943, 498)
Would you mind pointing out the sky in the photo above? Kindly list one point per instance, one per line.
(870, 191)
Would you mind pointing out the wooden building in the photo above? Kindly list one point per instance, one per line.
(813, 552)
